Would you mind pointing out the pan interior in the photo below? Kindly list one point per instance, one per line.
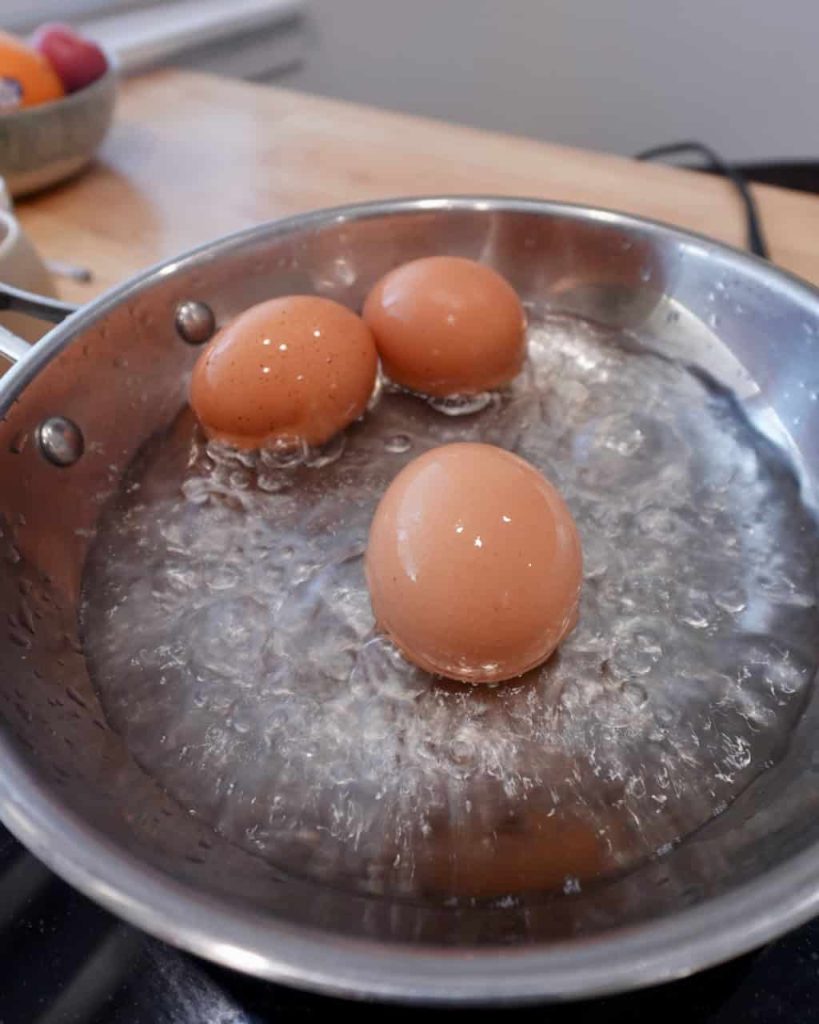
(671, 393)
(229, 635)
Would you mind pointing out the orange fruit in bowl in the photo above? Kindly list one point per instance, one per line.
(26, 77)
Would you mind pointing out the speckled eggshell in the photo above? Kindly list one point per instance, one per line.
(444, 325)
(474, 564)
(295, 368)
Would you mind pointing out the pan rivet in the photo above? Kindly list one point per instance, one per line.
(60, 440)
(195, 322)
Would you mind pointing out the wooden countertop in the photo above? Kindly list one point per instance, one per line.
(193, 156)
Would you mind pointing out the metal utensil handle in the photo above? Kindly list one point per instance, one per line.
(17, 300)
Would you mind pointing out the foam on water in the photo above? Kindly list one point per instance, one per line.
(229, 633)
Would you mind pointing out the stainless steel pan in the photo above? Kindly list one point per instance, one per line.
(77, 406)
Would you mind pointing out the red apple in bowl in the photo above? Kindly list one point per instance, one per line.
(77, 61)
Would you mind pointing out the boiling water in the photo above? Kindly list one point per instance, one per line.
(229, 634)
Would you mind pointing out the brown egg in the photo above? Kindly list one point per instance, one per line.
(298, 367)
(474, 564)
(533, 852)
(447, 326)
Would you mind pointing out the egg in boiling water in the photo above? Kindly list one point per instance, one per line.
(474, 564)
(297, 368)
(444, 325)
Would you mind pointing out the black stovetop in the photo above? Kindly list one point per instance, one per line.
(63, 960)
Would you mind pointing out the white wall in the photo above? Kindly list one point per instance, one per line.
(617, 75)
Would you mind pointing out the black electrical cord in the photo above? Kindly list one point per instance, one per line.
(715, 163)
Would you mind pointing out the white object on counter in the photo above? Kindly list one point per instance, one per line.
(21, 266)
(142, 37)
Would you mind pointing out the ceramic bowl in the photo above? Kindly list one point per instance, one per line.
(42, 145)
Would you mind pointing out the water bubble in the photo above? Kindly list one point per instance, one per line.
(635, 694)
(222, 454)
(636, 787)
(626, 444)
(272, 481)
(398, 444)
(196, 490)
(326, 454)
(731, 599)
(596, 556)
(241, 721)
(462, 751)
(737, 752)
(239, 480)
(665, 715)
(223, 577)
(635, 654)
(461, 405)
(784, 676)
(284, 453)
(696, 614)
